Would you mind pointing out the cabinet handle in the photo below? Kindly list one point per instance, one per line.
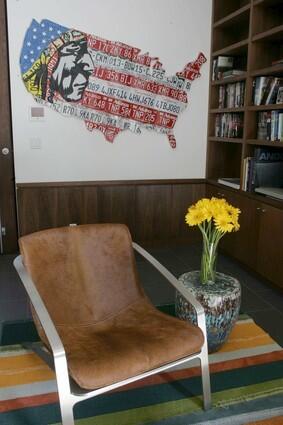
(262, 210)
(220, 194)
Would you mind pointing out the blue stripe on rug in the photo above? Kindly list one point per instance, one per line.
(146, 396)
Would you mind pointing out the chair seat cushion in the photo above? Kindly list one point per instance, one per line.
(136, 340)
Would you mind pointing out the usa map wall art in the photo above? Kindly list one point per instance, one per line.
(109, 85)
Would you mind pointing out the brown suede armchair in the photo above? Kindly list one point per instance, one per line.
(93, 316)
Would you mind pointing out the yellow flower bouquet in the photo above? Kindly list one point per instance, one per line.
(214, 217)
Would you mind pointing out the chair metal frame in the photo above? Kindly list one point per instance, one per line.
(69, 392)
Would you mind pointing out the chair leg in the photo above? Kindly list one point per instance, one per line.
(67, 413)
(205, 379)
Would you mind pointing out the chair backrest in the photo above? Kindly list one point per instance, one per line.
(84, 273)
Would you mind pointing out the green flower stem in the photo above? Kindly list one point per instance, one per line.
(211, 238)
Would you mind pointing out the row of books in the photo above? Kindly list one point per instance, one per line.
(263, 169)
(267, 90)
(227, 66)
(229, 125)
(270, 126)
(231, 95)
(262, 172)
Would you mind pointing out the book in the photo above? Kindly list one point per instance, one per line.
(229, 125)
(274, 125)
(214, 70)
(268, 154)
(271, 96)
(230, 181)
(261, 89)
(220, 65)
(231, 95)
(265, 168)
(270, 125)
(264, 125)
(279, 97)
(225, 61)
(280, 127)
(245, 174)
(232, 72)
(268, 173)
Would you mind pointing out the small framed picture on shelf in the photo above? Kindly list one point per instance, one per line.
(279, 98)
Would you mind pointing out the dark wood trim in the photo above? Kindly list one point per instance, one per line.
(7, 186)
(110, 183)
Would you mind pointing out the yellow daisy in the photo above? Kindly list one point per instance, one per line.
(195, 216)
(223, 223)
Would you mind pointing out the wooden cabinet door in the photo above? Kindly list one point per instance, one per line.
(241, 245)
(270, 244)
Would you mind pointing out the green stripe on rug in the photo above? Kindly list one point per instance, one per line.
(161, 411)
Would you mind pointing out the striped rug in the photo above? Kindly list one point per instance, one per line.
(246, 378)
(273, 421)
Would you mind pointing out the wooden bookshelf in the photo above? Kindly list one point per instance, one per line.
(259, 40)
(251, 30)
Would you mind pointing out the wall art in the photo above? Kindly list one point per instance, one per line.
(109, 85)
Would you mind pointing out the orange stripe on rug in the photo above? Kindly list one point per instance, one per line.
(246, 335)
(162, 378)
(278, 420)
(27, 368)
(22, 369)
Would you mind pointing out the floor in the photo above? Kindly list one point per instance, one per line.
(262, 302)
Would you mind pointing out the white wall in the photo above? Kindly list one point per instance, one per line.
(174, 30)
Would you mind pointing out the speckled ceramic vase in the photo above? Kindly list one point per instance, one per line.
(221, 301)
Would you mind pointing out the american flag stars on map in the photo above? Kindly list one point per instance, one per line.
(37, 39)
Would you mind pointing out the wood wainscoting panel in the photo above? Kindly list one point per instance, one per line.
(183, 196)
(43, 207)
(153, 210)
(37, 209)
(117, 205)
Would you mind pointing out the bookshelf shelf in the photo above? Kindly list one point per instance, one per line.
(233, 49)
(270, 70)
(274, 34)
(226, 110)
(267, 2)
(225, 140)
(229, 80)
(223, 8)
(235, 17)
(266, 107)
(264, 143)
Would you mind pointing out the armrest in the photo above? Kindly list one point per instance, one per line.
(180, 288)
(38, 304)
